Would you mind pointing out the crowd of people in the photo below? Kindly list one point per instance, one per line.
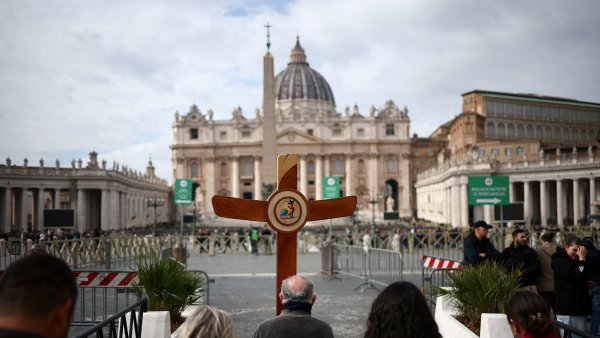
(566, 277)
(559, 282)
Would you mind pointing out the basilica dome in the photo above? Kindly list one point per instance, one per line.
(299, 83)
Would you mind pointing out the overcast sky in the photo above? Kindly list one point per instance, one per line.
(81, 75)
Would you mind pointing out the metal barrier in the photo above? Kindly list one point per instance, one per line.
(378, 266)
(568, 331)
(131, 328)
(113, 252)
(435, 271)
(104, 292)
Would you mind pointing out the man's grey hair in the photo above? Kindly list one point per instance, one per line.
(303, 291)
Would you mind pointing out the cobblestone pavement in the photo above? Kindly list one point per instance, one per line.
(244, 287)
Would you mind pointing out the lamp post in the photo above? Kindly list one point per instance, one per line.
(154, 202)
(372, 200)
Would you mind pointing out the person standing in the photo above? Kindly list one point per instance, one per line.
(295, 321)
(545, 278)
(572, 303)
(254, 240)
(520, 256)
(593, 282)
(477, 246)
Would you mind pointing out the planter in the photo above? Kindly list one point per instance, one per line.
(492, 324)
(155, 324)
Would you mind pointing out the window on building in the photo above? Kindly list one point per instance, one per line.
(309, 131)
(533, 149)
(391, 166)
(311, 168)
(247, 169)
(494, 152)
(336, 132)
(481, 153)
(223, 169)
(223, 135)
(508, 151)
(389, 129)
(193, 133)
(246, 133)
(194, 169)
(337, 166)
(520, 150)
(360, 132)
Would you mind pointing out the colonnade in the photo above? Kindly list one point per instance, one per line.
(362, 175)
(551, 193)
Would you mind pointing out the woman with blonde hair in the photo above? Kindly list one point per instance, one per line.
(209, 322)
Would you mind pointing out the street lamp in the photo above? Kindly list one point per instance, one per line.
(154, 202)
(373, 200)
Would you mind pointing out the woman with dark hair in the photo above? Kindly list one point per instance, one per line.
(528, 315)
(400, 311)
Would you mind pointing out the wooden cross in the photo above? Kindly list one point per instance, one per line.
(286, 211)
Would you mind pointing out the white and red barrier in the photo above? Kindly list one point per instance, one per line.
(106, 279)
(430, 262)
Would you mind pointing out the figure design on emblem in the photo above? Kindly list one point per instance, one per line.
(288, 211)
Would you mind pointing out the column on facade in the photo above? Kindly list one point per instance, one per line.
(39, 208)
(464, 205)
(105, 210)
(348, 175)
(209, 181)
(488, 213)
(81, 211)
(373, 175)
(448, 205)
(56, 199)
(235, 177)
(543, 203)
(527, 205)
(114, 209)
(319, 178)
(123, 209)
(303, 176)
(6, 210)
(180, 172)
(593, 196)
(559, 203)
(404, 204)
(455, 205)
(576, 202)
(22, 209)
(257, 179)
(327, 163)
(512, 193)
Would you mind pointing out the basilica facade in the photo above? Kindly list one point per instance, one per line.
(370, 152)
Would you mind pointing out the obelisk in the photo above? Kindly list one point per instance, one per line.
(269, 146)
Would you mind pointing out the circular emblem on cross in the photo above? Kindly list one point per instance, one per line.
(286, 211)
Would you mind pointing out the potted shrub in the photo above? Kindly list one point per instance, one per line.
(479, 289)
(168, 287)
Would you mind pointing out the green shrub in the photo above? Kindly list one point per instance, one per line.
(480, 289)
(168, 286)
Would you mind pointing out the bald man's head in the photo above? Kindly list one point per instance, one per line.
(297, 288)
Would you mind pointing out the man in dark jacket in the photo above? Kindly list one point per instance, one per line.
(593, 282)
(572, 302)
(520, 256)
(295, 321)
(478, 247)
